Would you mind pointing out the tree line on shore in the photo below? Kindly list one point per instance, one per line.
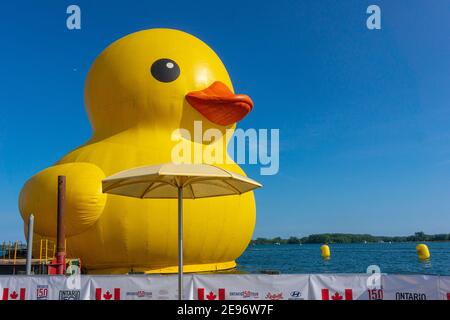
(351, 238)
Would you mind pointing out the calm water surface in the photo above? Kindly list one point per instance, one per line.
(400, 258)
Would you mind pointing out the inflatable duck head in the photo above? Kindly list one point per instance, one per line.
(162, 79)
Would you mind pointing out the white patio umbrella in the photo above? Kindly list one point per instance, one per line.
(178, 181)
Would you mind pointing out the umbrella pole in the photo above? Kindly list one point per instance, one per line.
(180, 243)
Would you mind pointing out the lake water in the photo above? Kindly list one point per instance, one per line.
(399, 258)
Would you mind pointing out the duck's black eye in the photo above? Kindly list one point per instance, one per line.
(165, 70)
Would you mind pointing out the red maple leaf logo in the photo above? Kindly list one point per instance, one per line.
(14, 295)
(107, 295)
(211, 296)
(336, 296)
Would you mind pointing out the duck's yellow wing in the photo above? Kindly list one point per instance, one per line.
(84, 198)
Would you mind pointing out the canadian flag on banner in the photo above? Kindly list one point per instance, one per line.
(348, 294)
(211, 295)
(13, 295)
(107, 295)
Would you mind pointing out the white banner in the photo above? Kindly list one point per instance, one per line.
(44, 288)
(139, 287)
(251, 287)
(345, 287)
(410, 287)
(444, 288)
(227, 287)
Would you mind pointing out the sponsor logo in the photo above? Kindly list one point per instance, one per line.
(140, 294)
(101, 294)
(295, 295)
(348, 295)
(42, 292)
(12, 294)
(245, 294)
(219, 295)
(375, 294)
(274, 296)
(410, 296)
(69, 295)
(163, 294)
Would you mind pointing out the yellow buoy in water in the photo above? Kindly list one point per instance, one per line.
(422, 251)
(325, 251)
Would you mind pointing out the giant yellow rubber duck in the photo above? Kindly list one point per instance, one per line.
(138, 91)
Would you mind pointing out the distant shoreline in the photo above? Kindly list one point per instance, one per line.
(345, 238)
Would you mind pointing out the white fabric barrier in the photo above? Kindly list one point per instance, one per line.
(44, 288)
(444, 288)
(343, 287)
(138, 287)
(251, 287)
(247, 287)
(410, 287)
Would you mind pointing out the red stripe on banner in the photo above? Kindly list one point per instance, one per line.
(5, 294)
(448, 296)
(201, 294)
(221, 294)
(22, 294)
(325, 294)
(98, 294)
(116, 293)
(348, 294)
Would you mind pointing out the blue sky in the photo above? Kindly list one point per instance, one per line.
(363, 115)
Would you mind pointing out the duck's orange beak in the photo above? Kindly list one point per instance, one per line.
(219, 105)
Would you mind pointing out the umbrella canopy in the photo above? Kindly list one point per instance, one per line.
(167, 181)
(162, 182)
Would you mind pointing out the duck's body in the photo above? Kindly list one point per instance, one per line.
(134, 119)
(140, 235)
